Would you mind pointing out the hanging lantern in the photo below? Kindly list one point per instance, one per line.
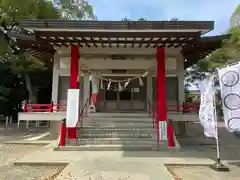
(120, 88)
(145, 74)
(101, 83)
(140, 81)
(109, 85)
(126, 83)
(90, 77)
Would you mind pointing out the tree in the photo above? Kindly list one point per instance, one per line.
(12, 12)
(139, 19)
(78, 9)
(228, 53)
(12, 90)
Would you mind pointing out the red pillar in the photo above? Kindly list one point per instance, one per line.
(74, 84)
(161, 90)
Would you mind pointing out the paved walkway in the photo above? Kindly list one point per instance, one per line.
(112, 164)
(128, 165)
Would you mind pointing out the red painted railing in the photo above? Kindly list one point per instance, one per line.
(44, 107)
(185, 108)
(152, 113)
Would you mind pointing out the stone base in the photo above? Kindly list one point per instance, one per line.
(219, 167)
(54, 127)
(180, 128)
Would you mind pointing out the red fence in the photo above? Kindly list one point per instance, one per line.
(185, 108)
(44, 107)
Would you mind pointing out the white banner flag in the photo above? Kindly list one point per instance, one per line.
(206, 111)
(230, 94)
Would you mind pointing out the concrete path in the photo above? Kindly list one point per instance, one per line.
(109, 169)
(104, 165)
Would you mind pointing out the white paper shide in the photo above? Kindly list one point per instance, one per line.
(206, 111)
(230, 94)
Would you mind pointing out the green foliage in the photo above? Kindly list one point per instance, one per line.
(229, 53)
(79, 10)
(12, 89)
(139, 19)
(23, 67)
(30, 9)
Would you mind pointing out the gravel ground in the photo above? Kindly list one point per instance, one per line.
(10, 152)
(200, 172)
(11, 172)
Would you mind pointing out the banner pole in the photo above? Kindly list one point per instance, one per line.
(218, 166)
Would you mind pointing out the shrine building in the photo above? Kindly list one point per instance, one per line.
(121, 68)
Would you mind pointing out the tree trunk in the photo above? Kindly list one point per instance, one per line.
(29, 88)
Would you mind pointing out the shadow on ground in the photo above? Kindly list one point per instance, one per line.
(196, 145)
(13, 133)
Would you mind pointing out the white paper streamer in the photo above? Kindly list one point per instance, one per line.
(140, 81)
(126, 83)
(109, 85)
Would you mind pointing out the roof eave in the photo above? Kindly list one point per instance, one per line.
(203, 26)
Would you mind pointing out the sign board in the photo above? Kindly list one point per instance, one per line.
(72, 107)
(162, 130)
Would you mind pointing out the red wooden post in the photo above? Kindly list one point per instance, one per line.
(72, 132)
(25, 107)
(51, 107)
(161, 88)
(170, 133)
(63, 132)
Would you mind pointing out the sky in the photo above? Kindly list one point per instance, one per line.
(219, 11)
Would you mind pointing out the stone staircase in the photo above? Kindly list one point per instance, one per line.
(117, 131)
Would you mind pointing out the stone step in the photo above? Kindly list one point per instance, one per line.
(132, 119)
(116, 129)
(117, 136)
(118, 124)
(119, 115)
(125, 120)
(116, 147)
(123, 141)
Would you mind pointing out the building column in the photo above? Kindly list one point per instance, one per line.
(161, 86)
(161, 97)
(86, 92)
(55, 125)
(55, 78)
(181, 126)
(74, 82)
(149, 91)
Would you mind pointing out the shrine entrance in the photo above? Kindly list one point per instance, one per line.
(122, 99)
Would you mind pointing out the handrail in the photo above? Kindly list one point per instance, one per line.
(154, 121)
(82, 110)
(152, 113)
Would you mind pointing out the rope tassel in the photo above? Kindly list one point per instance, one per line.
(120, 88)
